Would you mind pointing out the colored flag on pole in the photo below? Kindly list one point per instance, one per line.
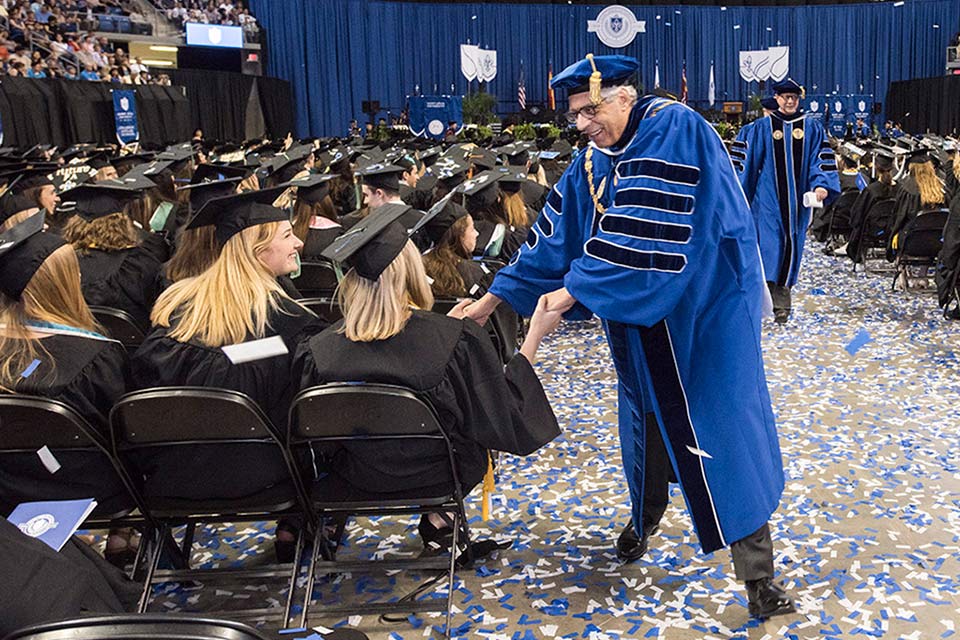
(521, 90)
(656, 74)
(551, 99)
(712, 91)
(683, 84)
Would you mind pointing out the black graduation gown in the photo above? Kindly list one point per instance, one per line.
(128, 280)
(451, 363)
(88, 374)
(477, 278)
(949, 258)
(534, 194)
(318, 240)
(908, 205)
(868, 197)
(38, 584)
(162, 361)
(415, 196)
(512, 239)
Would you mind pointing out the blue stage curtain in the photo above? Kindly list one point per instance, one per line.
(337, 53)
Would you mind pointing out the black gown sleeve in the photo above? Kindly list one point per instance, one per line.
(949, 256)
(94, 392)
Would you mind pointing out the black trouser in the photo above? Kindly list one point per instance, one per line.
(780, 294)
(752, 555)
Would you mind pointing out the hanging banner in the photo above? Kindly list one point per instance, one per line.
(765, 64)
(430, 115)
(837, 122)
(815, 106)
(478, 64)
(616, 26)
(125, 116)
(859, 107)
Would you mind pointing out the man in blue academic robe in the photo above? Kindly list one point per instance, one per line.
(778, 159)
(649, 230)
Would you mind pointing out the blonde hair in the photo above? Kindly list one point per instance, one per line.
(231, 300)
(515, 209)
(113, 232)
(931, 191)
(52, 295)
(379, 309)
(17, 218)
(956, 165)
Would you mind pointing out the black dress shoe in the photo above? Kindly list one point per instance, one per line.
(780, 316)
(768, 599)
(630, 546)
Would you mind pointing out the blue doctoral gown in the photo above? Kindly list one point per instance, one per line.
(672, 268)
(779, 158)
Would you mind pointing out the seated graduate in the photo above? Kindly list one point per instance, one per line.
(387, 336)
(380, 185)
(50, 347)
(948, 262)
(119, 268)
(881, 189)
(196, 247)
(922, 190)
(235, 301)
(315, 220)
(499, 235)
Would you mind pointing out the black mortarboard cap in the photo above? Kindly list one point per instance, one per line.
(209, 172)
(883, 160)
(22, 250)
(311, 188)
(381, 176)
(482, 158)
(922, 155)
(511, 180)
(201, 192)
(103, 198)
(440, 217)
(373, 243)
(232, 214)
(13, 201)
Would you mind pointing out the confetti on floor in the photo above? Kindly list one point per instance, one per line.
(866, 388)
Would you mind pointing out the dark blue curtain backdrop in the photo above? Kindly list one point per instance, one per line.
(337, 53)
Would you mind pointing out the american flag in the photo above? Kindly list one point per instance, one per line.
(521, 91)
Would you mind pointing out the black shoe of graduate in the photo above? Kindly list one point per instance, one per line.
(630, 546)
(780, 316)
(438, 538)
(768, 599)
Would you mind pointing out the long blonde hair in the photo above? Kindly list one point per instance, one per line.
(379, 309)
(230, 301)
(516, 210)
(52, 295)
(113, 232)
(931, 190)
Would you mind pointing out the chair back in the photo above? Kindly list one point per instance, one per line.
(137, 627)
(119, 325)
(317, 278)
(922, 237)
(29, 424)
(877, 222)
(840, 212)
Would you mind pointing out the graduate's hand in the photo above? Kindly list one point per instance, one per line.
(542, 323)
(821, 193)
(559, 300)
(480, 310)
(458, 309)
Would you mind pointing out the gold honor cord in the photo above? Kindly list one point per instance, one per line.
(594, 194)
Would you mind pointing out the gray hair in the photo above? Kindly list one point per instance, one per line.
(628, 89)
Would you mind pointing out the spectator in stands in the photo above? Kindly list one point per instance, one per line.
(37, 70)
(89, 73)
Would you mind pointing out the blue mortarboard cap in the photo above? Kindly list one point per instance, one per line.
(788, 85)
(612, 69)
(770, 103)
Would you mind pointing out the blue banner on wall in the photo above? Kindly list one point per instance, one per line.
(429, 115)
(815, 106)
(125, 116)
(859, 107)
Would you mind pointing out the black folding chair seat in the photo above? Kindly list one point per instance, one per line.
(138, 627)
(120, 325)
(919, 244)
(338, 414)
(147, 423)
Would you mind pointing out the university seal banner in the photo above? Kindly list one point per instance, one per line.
(766, 64)
(616, 26)
(478, 64)
(429, 115)
(125, 116)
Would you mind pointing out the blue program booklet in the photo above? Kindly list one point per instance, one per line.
(52, 522)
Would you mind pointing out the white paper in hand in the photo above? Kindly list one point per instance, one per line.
(810, 200)
(255, 350)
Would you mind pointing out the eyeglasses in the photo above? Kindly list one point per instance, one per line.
(589, 112)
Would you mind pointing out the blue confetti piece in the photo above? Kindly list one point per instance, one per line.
(816, 291)
(30, 369)
(297, 630)
(858, 341)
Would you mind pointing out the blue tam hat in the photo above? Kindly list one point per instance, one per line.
(788, 85)
(594, 72)
(770, 103)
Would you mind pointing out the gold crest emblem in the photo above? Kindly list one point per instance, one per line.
(778, 135)
(798, 134)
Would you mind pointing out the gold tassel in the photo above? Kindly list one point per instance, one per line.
(595, 80)
(488, 487)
